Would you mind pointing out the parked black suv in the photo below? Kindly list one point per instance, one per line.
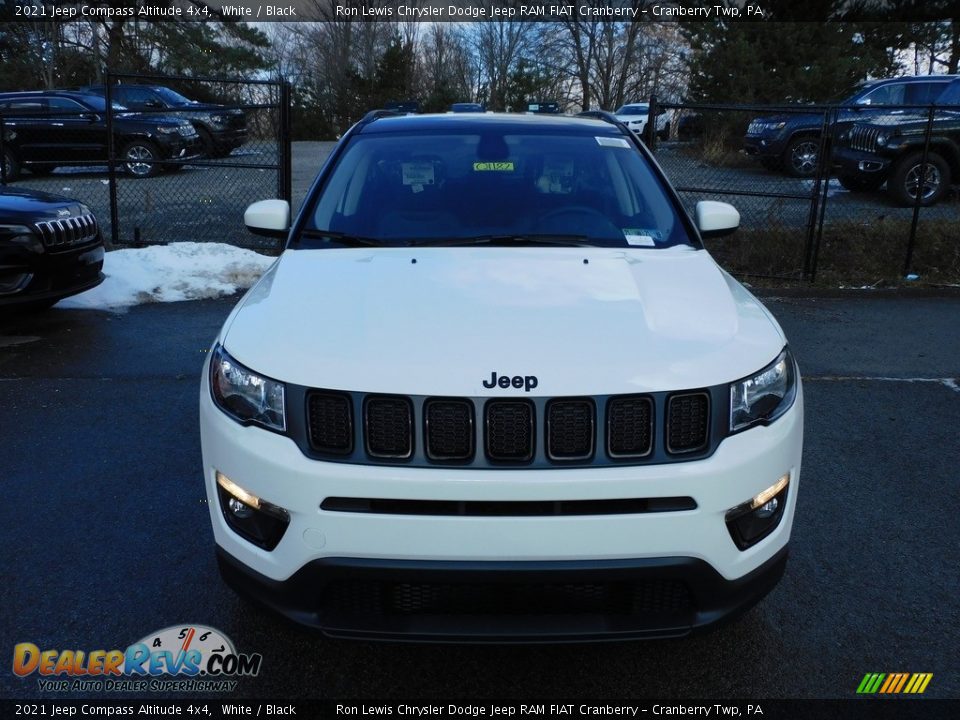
(889, 149)
(50, 248)
(46, 130)
(791, 141)
(222, 129)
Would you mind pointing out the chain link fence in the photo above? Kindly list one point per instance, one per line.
(847, 195)
(159, 159)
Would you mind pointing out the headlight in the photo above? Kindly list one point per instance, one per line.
(778, 126)
(244, 395)
(168, 129)
(764, 397)
(219, 119)
(883, 138)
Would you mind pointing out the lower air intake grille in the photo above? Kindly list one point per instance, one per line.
(449, 430)
(510, 430)
(389, 427)
(630, 426)
(330, 419)
(415, 598)
(570, 429)
(688, 422)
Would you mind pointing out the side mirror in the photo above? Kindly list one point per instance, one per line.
(715, 219)
(270, 218)
(89, 116)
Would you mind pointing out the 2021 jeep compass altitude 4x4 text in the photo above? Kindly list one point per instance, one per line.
(496, 390)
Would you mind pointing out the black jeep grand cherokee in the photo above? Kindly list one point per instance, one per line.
(46, 130)
(50, 248)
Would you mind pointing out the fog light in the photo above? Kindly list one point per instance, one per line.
(251, 517)
(750, 522)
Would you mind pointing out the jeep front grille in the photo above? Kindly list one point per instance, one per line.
(330, 422)
(388, 422)
(688, 422)
(864, 138)
(510, 429)
(480, 432)
(68, 232)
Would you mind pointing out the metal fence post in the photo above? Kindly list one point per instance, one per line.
(824, 156)
(651, 132)
(809, 255)
(3, 155)
(284, 181)
(111, 161)
(918, 200)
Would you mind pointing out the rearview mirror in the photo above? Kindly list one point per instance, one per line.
(270, 218)
(716, 219)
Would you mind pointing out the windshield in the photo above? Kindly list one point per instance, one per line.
(633, 110)
(400, 189)
(171, 97)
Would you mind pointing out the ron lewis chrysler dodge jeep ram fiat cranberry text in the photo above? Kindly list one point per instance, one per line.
(495, 389)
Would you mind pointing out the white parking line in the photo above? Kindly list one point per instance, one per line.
(948, 382)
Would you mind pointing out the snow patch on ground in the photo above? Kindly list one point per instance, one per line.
(170, 273)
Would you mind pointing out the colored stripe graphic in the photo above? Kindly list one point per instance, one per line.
(894, 683)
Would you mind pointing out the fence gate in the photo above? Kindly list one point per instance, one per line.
(181, 186)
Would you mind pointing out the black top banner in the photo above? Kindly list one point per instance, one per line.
(481, 10)
(912, 709)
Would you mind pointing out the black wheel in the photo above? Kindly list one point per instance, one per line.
(138, 158)
(906, 183)
(860, 183)
(11, 165)
(801, 156)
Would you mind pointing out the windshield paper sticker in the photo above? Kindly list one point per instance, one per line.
(641, 237)
(417, 173)
(612, 142)
(493, 167)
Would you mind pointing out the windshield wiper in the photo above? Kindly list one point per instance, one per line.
(509, 239)
(343, 238)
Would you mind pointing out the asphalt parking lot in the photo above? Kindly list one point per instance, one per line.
(107, 538)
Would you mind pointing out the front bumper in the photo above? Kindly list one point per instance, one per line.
(179, 147)
(860, 163)
(493, 602)
(764, 145)
(52, 275)
(337, 570)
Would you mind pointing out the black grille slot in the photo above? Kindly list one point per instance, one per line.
(630, 426)
(330, 418)
(662, 595)
(448, 429)
(688, 422)
(389, 426)
(510, 431)
(502, 508)
(570, 429)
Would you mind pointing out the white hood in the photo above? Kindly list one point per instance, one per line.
(440, 321)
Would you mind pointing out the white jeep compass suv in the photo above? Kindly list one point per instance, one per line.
(495, 389)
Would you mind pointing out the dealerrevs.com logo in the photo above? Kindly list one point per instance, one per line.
(186, 658)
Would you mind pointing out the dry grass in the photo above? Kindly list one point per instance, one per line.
(851, 254)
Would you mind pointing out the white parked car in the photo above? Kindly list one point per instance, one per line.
(496, 389)
(635, 116)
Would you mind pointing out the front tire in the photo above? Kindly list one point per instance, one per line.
(858, 183)
(905, 182)
(11, 165)
(802, 156)
(139, 158)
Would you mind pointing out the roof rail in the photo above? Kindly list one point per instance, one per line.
(604, 115)
(377, 114)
